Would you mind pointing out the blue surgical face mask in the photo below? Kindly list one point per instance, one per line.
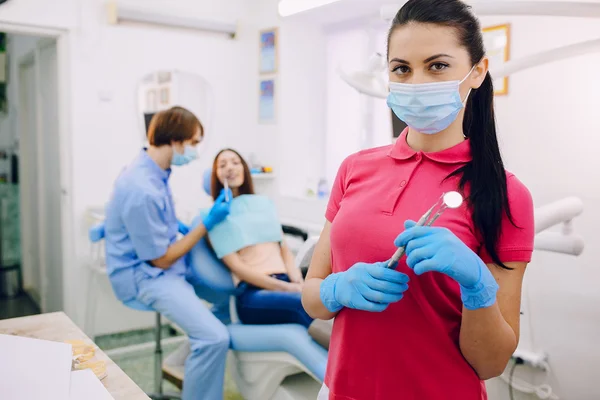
(189, 155)
(427, 107)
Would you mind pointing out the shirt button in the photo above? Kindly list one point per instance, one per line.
(402, 183)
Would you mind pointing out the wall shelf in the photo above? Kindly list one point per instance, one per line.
(263, 176)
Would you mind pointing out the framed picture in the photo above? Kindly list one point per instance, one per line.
(266, 103)
(268, 51)
(496, 40)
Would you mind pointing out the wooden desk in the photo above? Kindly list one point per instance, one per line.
(58, 327)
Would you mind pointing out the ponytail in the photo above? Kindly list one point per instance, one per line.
(485, 174)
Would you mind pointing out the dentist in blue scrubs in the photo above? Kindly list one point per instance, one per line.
(146, 262)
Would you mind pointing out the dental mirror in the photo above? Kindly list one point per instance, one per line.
(447, 200)
(226, 186)
(453, 199)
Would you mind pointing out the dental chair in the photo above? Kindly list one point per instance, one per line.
(268, 362)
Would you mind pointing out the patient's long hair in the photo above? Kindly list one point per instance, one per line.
(216, 185)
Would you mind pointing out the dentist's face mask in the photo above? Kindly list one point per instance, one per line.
(189, 155)
(427, 107)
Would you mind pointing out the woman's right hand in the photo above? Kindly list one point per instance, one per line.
(368, 287)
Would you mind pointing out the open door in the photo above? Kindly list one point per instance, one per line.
(39, 163)
(29, 183)
(49, 161)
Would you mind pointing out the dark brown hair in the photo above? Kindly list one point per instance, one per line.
(176, 124)
(216, 185)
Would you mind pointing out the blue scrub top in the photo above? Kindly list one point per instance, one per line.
(140, 226)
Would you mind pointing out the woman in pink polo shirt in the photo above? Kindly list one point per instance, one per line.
(447, 317)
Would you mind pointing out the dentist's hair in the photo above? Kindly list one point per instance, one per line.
(484, 176)
(176, 124)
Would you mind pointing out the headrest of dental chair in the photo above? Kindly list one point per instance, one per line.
(209, 270)
(206, 177)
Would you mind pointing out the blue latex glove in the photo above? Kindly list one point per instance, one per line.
(368, 287)
(430, 248)
(218, 212)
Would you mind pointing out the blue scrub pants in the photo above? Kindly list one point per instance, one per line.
(259, 306)
(174, 297)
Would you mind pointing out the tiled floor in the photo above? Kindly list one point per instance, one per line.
(139, 366)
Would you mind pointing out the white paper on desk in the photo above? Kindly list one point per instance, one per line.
(86, 386)
(34, 368)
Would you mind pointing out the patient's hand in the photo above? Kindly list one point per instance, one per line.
(296, 277)
(294, 273)
(294, 287)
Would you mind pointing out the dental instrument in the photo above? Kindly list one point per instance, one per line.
(447, 200)
(226, 185)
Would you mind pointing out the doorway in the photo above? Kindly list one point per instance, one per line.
(36, 146)
(28, 180)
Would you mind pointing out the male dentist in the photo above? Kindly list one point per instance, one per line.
(146, 262)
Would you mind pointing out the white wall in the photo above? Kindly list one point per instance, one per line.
(549, 137)
(294, 143)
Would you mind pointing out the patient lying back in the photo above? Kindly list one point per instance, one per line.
(250, 242)
(264, 258)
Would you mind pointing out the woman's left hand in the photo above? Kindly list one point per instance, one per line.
(431, 248)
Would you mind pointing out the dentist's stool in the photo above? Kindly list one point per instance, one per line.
(96, 236)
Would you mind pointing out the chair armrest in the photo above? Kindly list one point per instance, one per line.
(292, 230)
(304, 255)
(320, 331)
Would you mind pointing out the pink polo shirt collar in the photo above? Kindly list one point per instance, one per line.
(460, 153)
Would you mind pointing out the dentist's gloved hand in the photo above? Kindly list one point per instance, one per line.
(430, 248)
(368, 287)
(219, 211)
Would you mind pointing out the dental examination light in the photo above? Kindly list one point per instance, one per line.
(370, 81)
(560, 53)
(559, 243)
(560, 212)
